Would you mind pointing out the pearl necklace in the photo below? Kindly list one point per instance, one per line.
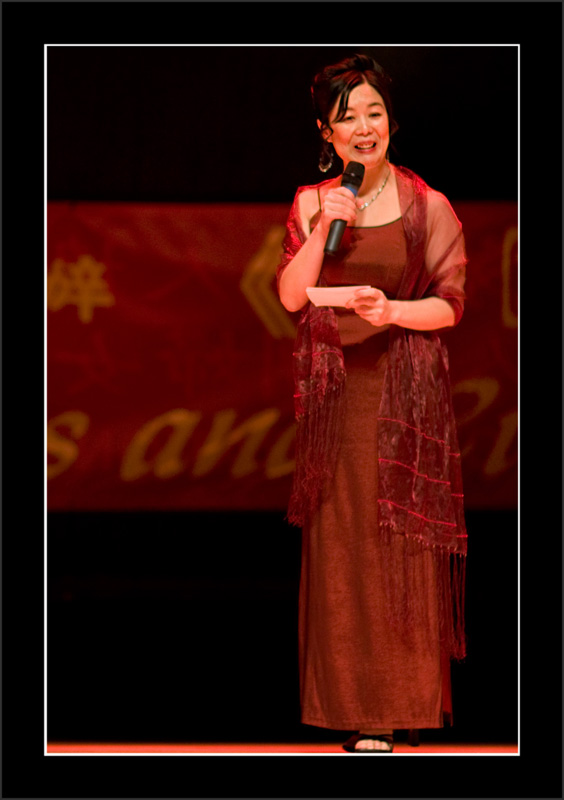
(372, 199)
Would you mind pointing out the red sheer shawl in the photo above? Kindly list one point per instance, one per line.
(420, 482)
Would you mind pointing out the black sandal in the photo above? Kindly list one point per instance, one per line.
(386, 739)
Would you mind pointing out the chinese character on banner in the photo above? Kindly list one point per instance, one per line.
(79, 285)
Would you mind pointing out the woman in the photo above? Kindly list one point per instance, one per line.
(377, 487)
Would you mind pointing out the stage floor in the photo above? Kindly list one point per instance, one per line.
(246, 748)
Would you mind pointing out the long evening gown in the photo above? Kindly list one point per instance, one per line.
(357, 670)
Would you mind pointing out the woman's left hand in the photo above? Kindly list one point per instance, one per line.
(373, 306)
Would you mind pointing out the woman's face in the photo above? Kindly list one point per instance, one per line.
(363, 134)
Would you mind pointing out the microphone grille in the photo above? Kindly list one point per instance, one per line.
(354, 173)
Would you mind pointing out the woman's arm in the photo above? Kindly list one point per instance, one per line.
(303, 270)
(427, 314)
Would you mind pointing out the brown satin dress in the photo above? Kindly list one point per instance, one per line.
(357, 671)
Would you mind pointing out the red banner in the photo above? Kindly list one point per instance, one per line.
(169, 380)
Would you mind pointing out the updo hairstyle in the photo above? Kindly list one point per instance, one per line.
(336, 82)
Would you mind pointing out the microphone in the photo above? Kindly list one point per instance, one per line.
(352, 179)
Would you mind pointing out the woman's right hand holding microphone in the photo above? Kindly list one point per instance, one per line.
(338, 203)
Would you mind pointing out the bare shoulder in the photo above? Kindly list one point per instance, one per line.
(309, 202)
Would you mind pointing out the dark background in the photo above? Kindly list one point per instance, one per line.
(157, 629)
(183, 626)
(233, 124)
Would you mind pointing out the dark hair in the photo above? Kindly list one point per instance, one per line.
(337, 82)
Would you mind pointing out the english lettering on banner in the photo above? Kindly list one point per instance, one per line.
(508, 265)
(180, 424)
(497, 459)
(221, 438)
(168, 461)
(500, 458)
(64, 449)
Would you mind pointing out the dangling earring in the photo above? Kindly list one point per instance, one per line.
(326, 157)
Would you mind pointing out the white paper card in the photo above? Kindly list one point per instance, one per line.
(332, 295)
